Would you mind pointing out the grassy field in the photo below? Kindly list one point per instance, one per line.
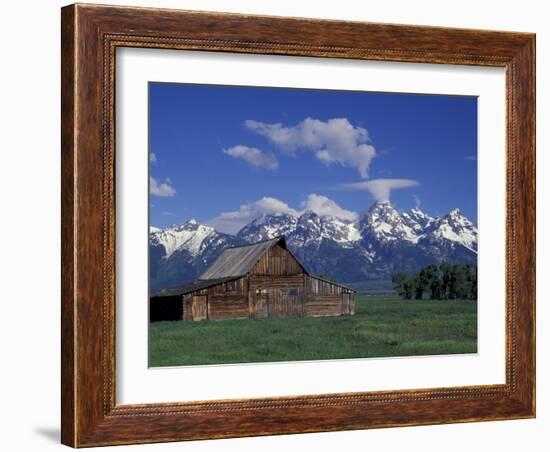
(382, 326)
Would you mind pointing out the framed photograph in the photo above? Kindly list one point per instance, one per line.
(280, 225)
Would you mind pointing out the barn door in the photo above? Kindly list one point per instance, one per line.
(198, 307)
(346, 307)
(285, 302)
(293, 302)
(261, 303)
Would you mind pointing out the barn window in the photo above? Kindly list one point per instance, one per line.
(289, 292)
(233, 286)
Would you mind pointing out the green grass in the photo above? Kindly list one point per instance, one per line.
(382, 326)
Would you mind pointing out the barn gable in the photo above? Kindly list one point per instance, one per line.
(278, 261)
(240, 260)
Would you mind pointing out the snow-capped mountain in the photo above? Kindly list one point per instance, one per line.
(190, 236)
(313, 229)
(180, 253)
(452, 237)
(381, 242)
(417, 220)
(268, 226)
(453, 227)
(383, 223)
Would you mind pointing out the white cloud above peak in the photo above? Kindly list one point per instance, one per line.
(324, 206)
(232, 221)
(380, 189)
(163, 189)
(253, 156)
(333, 141)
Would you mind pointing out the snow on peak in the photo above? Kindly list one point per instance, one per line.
(418, 214)
(313, 228)
(342, 232)
(308, 228)
(417, 220)
(374, 245)
(455, 227)
(268, 226)
(385, 223)
(381, 223)
(189, 235)
(457, 219)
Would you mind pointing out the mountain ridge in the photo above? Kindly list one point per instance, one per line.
(379, 243)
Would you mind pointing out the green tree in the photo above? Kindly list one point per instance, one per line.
(398, 280)
(441, 282)
(410, 287)
(446, 275)
(462, 285)
(472, 282)
(404, 284)
(419, 287)
(432, 280)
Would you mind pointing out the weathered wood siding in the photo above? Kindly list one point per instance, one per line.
(325, 298)
(258, 304)
(231, 306)
(285, 302)
(187, 303)
(321, 286)
(276, 295)
(323, 305)
(277, 286)
(228, 300)
(223, 301)
(199, 307)
(262, 282)
(277, 261)
(348, 304)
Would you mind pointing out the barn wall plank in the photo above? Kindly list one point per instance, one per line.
(277, 261)
(323, 305)
(227, 307)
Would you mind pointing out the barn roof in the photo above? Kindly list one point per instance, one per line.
(330, 281)
(198, 284)
(233, 263)
(239, 260)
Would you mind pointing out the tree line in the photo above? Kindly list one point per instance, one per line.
(438, 282)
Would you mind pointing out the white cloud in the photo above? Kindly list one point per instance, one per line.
(152, 158)
(332, 141)
(322, 206)
(231, 222)
(163, 189)
(253, 156)
(380, 189)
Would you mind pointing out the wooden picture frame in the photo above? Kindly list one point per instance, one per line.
(90, 36)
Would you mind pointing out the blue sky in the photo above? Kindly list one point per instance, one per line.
(224, 155)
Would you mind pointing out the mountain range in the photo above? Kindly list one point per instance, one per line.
(381, 242)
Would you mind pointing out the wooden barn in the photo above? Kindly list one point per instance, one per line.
(254, 281)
